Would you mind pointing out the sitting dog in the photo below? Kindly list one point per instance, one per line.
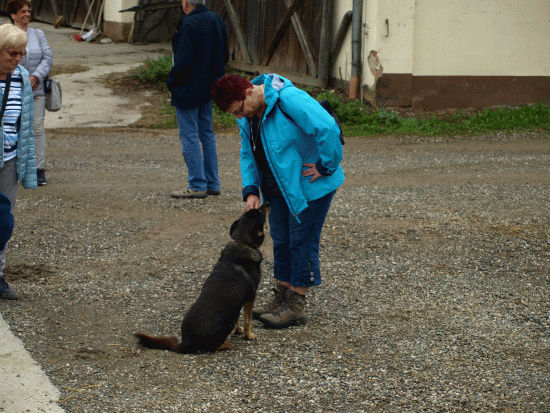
(231, 286)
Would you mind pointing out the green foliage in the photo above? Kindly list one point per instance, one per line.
(166, 119)
(358, 119)
(223, 121)
(153, 71)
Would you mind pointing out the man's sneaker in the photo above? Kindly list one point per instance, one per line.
(6, 292)
(41, 177)
(290, 313)
(213, 192)
(189, 193)
(278, 297)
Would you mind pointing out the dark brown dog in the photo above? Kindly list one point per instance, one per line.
(231, 286)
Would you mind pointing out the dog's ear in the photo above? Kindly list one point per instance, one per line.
(265, 208)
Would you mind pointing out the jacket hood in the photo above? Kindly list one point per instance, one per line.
(273, 85)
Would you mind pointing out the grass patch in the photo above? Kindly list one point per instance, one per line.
(153, 71)
(360, 120)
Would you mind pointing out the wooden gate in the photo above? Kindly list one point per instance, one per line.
(288, 37)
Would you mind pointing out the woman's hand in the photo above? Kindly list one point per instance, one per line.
(312, 171)
(34, 81)
(252, 202)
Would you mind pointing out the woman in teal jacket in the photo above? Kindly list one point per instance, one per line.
(18, 161)
(291, 153)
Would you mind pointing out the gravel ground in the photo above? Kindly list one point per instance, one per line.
(435, 260)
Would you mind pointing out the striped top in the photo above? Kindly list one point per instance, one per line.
(12, 114)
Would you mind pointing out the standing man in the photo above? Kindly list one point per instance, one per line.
(200, 52)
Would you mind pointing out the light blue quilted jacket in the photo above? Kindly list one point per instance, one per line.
(26, 158)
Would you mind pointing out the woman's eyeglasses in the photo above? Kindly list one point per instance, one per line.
(240, 111)
(15, 53)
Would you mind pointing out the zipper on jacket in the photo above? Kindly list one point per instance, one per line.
(270, 162)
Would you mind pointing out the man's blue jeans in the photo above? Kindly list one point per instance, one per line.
(198, 144)
(296, 245)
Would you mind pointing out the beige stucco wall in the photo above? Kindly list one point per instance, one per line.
(482, 38)
(113, 7)
(393, 42)
(118, 25)
(450, 37)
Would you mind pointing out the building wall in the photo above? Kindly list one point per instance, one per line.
(435, 54)
(118, 25)
(482, 38)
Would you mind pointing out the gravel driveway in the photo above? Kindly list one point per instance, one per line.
(435, 260)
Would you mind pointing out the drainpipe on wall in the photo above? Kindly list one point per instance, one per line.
(355, 79)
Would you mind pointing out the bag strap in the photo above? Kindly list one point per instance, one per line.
(325, 104)
(6, 95)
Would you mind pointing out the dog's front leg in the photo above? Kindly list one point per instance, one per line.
(248, 305)
(238, 329)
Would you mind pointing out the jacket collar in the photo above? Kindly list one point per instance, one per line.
(273, 84)
(198, 9)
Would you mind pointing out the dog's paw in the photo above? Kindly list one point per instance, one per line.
(225, 346)
(238, 330)
(250, 336)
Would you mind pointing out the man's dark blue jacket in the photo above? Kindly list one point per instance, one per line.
(6, 220)
(201, 52)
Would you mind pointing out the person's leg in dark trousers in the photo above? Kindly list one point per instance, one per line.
(296, 257)
(8, 186)
(209, 149)
(192, 154)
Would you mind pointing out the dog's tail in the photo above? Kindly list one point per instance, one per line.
(159, 343)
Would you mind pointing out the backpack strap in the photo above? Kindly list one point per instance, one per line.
(6, 95)
(325, 104)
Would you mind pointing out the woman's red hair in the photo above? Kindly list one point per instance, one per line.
(229, 89)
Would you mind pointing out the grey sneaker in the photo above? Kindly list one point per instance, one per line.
(275, 302)
(290, 313)
(189, 193)
(213, 192)
(6, 292)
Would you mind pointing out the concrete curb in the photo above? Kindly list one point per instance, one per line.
(24, 387)
(87, 102)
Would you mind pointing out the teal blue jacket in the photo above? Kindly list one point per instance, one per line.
(26, 158)
(295, 130)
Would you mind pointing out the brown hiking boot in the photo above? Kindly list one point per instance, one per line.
(6, 292)
(276, 301)
(290, 313)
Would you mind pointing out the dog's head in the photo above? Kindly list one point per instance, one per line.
(249, 229)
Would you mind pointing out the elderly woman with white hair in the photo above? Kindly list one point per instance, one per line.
(18, 161)
(38, 62)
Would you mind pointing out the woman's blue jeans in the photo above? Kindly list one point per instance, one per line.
(296, 245)
(198, 144)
